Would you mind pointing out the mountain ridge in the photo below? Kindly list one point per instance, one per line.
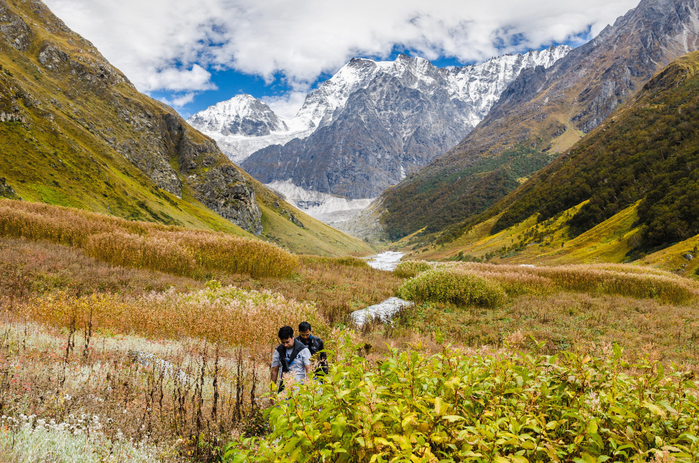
(401, 116)
(545, 110)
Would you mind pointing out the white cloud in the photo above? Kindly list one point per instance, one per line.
(286, 106)
(169, 44)
(178, 101)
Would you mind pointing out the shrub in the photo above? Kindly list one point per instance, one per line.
(498, 408)
(457, 287)
(410, 268)
(351, 261)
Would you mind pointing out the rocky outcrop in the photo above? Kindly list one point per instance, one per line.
(6, 191)
(15, 31)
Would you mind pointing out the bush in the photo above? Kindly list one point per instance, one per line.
(411, 268)
(457, 287)
(500, 408)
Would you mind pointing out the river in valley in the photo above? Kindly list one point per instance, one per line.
(385, 261)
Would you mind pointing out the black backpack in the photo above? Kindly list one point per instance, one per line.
(286, 365)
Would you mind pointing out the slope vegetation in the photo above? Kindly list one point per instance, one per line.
(648, 152)
(543, 111)
(75, 132)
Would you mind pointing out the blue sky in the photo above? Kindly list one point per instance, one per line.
(192, 54)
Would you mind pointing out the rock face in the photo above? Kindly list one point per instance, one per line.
(374, 123)
(6, 191)
(544, 110)
(97, 108)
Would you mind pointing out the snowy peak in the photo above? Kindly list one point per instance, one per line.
(481, 85)
(478, 86)
(242, 115)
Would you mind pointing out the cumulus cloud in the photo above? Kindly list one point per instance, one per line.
(170, 44)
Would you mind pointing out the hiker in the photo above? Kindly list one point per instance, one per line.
(315, 345)
(292, 355)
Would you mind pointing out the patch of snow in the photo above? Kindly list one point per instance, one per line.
(320, 205)
(383, 311)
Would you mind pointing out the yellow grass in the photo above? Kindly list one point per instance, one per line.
(144, 245)
(219, 315)
(620, 279)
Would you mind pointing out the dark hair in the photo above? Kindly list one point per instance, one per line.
(286, 332)
(304, 326)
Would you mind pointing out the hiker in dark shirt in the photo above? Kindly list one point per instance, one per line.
(292, 356)
(315, 345)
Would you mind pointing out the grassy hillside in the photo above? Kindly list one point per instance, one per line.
(648, 152)
(74, 132)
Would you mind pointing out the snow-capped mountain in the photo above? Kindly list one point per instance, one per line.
(242, 125)
(376, 122)
(245, 124)
(365, 128)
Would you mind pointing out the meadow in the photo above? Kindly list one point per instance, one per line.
(114, 357)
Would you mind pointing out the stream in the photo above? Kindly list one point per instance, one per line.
(385, 261)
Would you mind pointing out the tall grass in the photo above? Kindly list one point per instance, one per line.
(219, 315)
(66, 403)
(619, 279)
(144, 245)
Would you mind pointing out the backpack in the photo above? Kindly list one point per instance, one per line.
(286, 366)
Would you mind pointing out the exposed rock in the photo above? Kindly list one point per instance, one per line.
(17, 33)
(688, 257)
(6, 191)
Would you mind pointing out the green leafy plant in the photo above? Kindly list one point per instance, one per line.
(497, 408)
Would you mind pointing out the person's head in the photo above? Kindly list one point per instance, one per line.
(286, 336)
(305, 330)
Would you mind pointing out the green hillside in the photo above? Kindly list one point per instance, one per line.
(75, 132)
(541, 115)
(648, 152)
(627, 191)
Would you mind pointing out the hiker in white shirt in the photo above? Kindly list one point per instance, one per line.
(293, 357)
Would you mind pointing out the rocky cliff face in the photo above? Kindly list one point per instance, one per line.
(374, 123)
(546, 111)
(92, 109)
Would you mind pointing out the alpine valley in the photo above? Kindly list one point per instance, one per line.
(544, 208)
(364, 129)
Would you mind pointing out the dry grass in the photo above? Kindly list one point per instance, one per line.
(103, 396)
(226, 316)
(169, 249)
(563, 321)
(620, 279)
(336, 289)
(34, 268)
